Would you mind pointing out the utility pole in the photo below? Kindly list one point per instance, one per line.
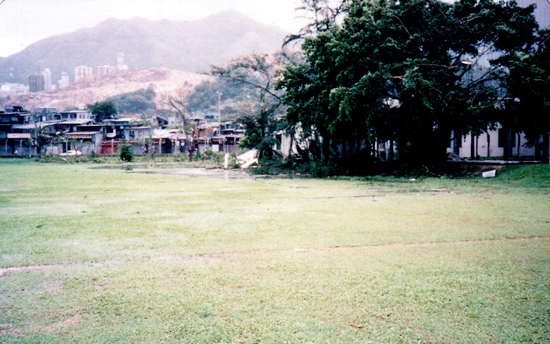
(219, 120)
(219, 99)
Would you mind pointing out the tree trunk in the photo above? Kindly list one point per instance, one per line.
(456, 142)
(291, 133)
(326, 148)
(488, 145)
(546, 147)
(344, 152)
(472, 146)
(508, 149)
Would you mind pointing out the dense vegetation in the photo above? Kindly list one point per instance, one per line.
(103, 110)
(413, 72)
(234, 97)
(138, 102)
(263, 114)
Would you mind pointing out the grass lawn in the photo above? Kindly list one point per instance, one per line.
(91, 255)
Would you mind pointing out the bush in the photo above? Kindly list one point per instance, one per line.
(210, 155)
(127, 153)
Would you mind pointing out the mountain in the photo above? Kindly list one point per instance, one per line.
(91, 89)
(191, 46)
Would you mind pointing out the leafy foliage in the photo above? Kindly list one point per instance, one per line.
(205, 96)
(103, 110)
(137, 102)
(260, 129)
(262, 116)
(126, 153)
(528, 92)
(409, 72)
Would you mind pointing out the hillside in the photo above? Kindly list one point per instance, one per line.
(191, 46)
(165, 82)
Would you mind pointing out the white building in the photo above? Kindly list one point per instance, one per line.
(82, 71)
(48, 86)
(64, 81)
(120, 62)
(106, 69)
(492, 144)
(9, 89)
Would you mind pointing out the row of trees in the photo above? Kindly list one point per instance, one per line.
(413, 72)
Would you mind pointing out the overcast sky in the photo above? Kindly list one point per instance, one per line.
(23, 22)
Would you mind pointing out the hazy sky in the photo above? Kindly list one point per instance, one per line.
(23, 22)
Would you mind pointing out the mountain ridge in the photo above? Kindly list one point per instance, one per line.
(191, 46)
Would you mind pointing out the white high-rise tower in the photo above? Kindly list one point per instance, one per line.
(47, 79)
(120, 62)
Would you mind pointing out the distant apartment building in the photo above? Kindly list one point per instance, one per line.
(120, 62)
(64, 81)
(82, 71)
(36, 83)
(10, 89)
(48, 86)
(106, 69)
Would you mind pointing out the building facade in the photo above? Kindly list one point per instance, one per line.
(106, 69)
(48, 86)
(36, 83)
(81, 72)
(9, 89)
(64, 81)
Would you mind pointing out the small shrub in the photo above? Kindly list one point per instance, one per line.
(180, 157)
(210, 155)
(197, 156)
(233, 164)
(127, 153)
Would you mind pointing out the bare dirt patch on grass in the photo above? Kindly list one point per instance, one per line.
(5, 271)
(217, 256)
(7, 329)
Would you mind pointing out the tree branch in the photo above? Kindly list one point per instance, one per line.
(224, 74)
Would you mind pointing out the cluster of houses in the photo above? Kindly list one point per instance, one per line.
(46, 131)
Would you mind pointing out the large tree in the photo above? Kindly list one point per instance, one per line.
(526, 104)
(103, 110)
(409, 71)
(262, 118)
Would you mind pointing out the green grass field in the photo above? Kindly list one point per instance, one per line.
(91, 255)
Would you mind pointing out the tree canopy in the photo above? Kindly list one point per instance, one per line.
(138, 102)
(103, 110)
(204, 97)
(408, 71)
(261, 112)
(527, 98)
